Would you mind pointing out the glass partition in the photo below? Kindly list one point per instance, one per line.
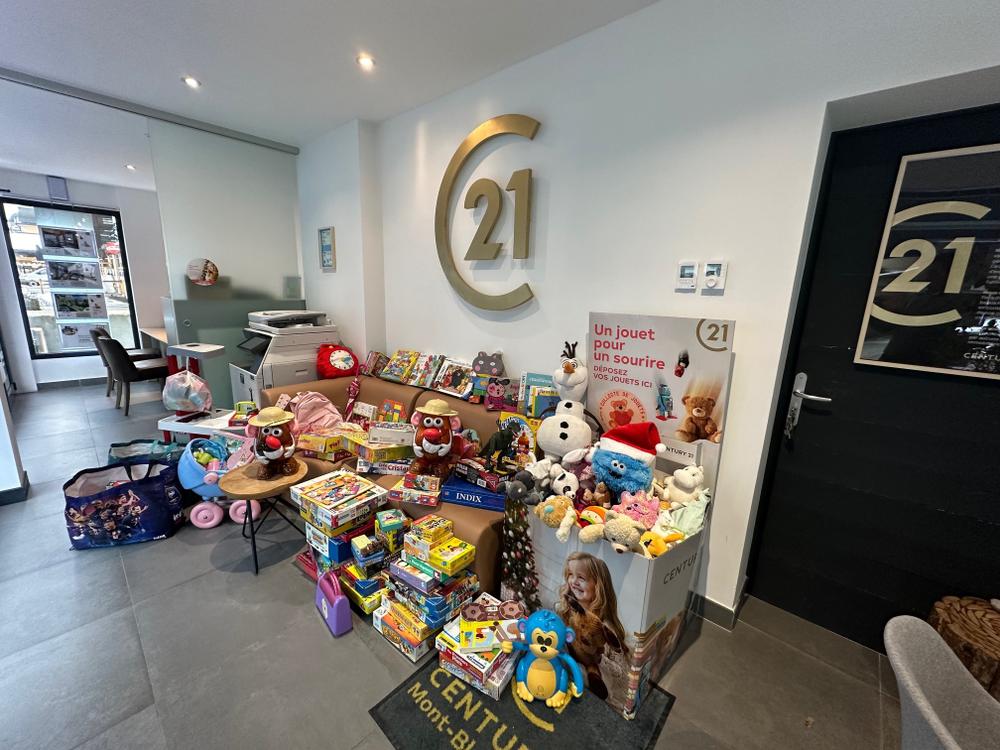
(71, 273)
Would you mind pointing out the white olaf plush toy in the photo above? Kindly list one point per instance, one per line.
(571, 379)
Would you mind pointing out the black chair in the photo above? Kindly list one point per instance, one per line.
(135, 354)
(126, 371)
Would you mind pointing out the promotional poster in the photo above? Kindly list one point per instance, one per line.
(74, 305)
(673, 372)
(934, 302)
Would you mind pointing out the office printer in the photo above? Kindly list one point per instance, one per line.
(279, 348)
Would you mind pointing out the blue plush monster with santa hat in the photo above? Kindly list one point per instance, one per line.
(624, 456)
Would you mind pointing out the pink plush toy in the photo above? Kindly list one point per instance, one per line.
(639, 507)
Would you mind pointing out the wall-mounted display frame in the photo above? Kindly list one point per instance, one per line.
(934, 302)
(327, 250)
(71, 274)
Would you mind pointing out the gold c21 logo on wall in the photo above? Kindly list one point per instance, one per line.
(482, 247)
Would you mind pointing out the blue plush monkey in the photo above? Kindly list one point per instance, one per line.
(546, 670)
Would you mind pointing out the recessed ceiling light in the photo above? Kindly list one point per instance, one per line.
(191, 82)
(130, 167)
(366, 61)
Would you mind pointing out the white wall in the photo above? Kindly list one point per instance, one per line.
(147, 269)
(231, 202)
(689, 129)
(338, 187)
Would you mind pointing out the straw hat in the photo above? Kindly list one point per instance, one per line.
(270, 416)
(437, 407)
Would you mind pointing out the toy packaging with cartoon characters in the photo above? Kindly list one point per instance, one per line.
(123, 504)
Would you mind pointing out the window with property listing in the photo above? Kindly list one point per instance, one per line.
(71, 274)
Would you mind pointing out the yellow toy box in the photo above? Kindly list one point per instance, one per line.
(360, 446)
(433, 529)
(452, 555)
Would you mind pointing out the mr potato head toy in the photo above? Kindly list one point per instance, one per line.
(274, 444)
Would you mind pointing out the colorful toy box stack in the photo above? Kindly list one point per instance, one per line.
(420, 598)
(359, 444)
(480, 661)
(327, 444)
(336, 508)
(419, 489)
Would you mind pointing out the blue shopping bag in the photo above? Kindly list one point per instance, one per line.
(123, 503)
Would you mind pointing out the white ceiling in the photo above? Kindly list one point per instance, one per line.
(50, 134)
(286, 70)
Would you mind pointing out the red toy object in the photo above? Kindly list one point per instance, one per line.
(437, 442)
(335, 361)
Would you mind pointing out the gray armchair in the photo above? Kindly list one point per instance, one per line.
(942, 705)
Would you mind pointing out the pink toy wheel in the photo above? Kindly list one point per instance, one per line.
(206, 515)
(238, 510)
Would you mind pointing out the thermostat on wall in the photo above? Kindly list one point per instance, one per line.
(715, 275)
(687, 275)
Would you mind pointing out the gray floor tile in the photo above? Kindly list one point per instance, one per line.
(41, 543)
(891, 738)
(121, 432)
(680, 734)
(887, 678)
(50, 601)
(50, 426)
(59, 466)
(71, 688)
(140, 395)
(139, 409)
(751, 691)
(141, 730)
(194, 627)
(291, 688)
(835, 650)
(374, 741)
(191, 552)
(44, 499)
(44, 445)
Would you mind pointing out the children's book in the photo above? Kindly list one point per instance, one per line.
(501, 394)
(525, 441)
(478, 393)
(400, 365)
(528, 380)
(454, 378)
(540, 399)
(424, 370)
(375, 362)
(363, 414)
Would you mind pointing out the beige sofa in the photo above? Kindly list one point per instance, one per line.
(480, 527)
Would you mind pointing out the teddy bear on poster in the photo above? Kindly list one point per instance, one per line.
(698, 424)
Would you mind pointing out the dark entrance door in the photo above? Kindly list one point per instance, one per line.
(887, 497)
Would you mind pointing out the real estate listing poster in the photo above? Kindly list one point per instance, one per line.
(79, 305)
(74, 274)
(72, 243)
(77, 335)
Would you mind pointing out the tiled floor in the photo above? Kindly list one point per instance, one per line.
(175, 644)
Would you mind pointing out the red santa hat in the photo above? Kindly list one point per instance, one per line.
(640, 440)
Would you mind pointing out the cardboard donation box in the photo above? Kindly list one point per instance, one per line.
(632, 641)
(629, 610)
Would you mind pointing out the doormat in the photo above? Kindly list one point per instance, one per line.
(433, 708)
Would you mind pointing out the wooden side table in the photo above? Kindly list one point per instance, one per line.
(242, 484)
(971, 627)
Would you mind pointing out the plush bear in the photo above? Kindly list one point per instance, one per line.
(557, 512)
(599, 496)
(488, 364)
(684, 486)
(698, 424)
(639, 506)
(623, 532)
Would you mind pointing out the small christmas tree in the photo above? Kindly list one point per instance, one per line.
(519, 581)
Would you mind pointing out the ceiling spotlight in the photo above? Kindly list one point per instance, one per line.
(191, 82)
(130, 167)
(367, 62)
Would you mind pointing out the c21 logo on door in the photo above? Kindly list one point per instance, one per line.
(934, 299)
(482, 246)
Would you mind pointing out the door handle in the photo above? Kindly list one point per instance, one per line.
(795, 403)
(809, 397)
